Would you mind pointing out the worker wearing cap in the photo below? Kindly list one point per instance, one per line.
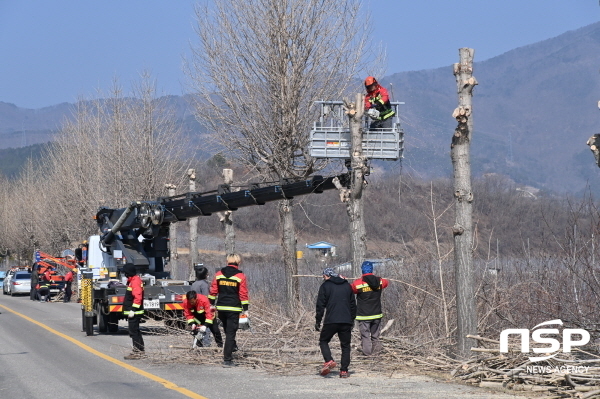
(133, 307)
(377, 104)
(229, 291)
(368, 291)
(336, 301)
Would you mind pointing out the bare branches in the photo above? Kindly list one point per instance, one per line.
(260, 65)
(111, 151)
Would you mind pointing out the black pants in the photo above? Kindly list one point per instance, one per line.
(214, 329)
(344, 332)
(231, 323)
(384, 124)
(135, 333)
(68, 292)
(44, 294)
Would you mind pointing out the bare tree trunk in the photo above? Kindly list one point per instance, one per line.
(172, 238)
(288, 245)
(466, 310)
(193, 222)
(227, 218)
(355, 206)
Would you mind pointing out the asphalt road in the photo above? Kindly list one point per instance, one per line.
(44, 353)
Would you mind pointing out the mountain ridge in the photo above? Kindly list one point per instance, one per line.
(533, 110)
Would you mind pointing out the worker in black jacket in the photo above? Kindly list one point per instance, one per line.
(337, 302)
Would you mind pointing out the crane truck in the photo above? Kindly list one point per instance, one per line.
(139, 234)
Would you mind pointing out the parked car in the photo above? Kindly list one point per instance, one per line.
(2, 276)
(20, 283)
(9, 276)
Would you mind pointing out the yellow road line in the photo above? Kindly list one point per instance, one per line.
(165, 383)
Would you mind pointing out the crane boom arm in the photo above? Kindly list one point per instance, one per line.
(121, 228)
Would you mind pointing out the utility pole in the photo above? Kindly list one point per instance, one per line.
(172, 238)
(193, 223)
(226, 218)
(466, 309)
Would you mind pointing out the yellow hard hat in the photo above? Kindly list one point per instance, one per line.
(85, 241)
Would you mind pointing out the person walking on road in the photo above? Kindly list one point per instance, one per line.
(337, 302)
(35, 278)
(229, 290)
(368, 290)
(199, 315)
(133, 307)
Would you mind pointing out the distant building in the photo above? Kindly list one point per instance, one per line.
(323, 248)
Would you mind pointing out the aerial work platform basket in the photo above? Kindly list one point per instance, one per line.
(330, 136)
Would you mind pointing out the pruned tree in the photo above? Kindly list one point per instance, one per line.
(257, 69)
(226, 218)
(466, 309)
(353, 196)
(193, 224)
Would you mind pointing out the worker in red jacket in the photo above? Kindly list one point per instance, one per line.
(199, 315)
(48, 274)
(229, 291)
(68, 289)
(377, 104)
(368, 291)
(133, 307)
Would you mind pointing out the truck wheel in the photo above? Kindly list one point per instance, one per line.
(113, 322)
(102, 318)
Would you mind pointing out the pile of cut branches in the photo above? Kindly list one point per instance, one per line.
(279, 344)
(574, 375)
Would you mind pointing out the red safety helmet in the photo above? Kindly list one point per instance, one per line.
(370, 80)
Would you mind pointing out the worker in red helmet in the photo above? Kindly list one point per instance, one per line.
(377, 104)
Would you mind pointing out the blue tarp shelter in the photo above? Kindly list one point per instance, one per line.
(320, 245)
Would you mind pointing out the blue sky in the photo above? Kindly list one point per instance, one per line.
(55, 51)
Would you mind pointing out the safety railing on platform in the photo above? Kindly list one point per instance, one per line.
(330, 136)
